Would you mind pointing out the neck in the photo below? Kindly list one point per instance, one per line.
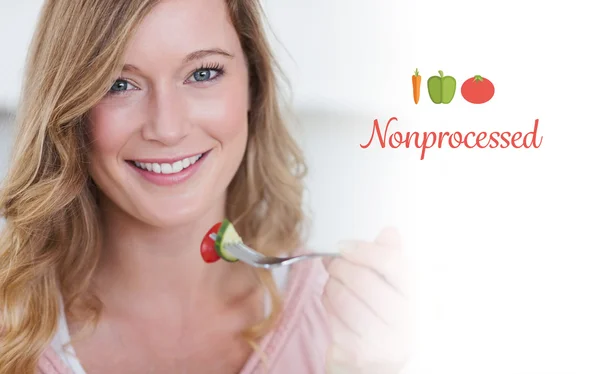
(143, 266)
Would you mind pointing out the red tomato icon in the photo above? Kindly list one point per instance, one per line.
(477, 90)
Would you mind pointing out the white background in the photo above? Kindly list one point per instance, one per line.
(504, 241)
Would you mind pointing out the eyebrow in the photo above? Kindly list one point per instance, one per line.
(204, 53)
(196, 55)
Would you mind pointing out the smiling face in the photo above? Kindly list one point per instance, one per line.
(171, 133)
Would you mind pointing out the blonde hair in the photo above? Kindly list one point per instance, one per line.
(51, 241)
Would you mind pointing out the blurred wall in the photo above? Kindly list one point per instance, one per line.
(6, 134)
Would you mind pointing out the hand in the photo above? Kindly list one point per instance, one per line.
(366, 300)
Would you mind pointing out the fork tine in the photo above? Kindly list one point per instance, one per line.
(244, 248)
(243, 254)
(237, 252)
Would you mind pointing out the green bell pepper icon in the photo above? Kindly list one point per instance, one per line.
(441, 88)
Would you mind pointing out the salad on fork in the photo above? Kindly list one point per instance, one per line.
(222, 241)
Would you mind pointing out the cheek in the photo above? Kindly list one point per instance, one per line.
(108, 131)
(222, 113)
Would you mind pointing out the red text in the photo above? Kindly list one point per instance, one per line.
(426, 140)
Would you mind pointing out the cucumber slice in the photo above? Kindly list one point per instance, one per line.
(225, 236)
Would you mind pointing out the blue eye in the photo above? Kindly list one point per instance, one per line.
(203, 75)
(119, 85)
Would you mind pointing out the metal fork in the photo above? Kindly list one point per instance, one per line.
(249, 256)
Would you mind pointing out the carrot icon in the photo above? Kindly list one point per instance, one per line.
(416, 82)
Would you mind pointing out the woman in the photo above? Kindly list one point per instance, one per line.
(142, 124)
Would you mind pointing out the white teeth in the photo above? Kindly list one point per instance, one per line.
(165, 168)
(177, 167)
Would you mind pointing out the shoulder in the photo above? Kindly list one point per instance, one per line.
(51, 362)
(302, 336)
(307, 283)
(59, 357)
(304, 291)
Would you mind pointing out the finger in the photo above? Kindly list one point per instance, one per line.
(355, 346)
(327, 261)
(367, 286)
(381, 347)
(384, 359)
(348, 341)
(343, 336)
(338, 327)
(388, 262)
(340, 361)
(389, 236)
(351, 311)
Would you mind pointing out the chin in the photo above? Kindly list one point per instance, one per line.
(170, 214)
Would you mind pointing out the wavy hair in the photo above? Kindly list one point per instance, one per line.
(50, 245)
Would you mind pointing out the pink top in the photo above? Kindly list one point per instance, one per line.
(298, 344)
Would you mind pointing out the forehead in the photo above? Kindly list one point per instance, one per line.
(178, 27)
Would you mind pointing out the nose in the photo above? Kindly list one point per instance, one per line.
(166, 122)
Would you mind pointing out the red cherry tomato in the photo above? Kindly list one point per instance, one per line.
(477, 90)
(207, 247)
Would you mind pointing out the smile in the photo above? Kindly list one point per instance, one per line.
(168, 168)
